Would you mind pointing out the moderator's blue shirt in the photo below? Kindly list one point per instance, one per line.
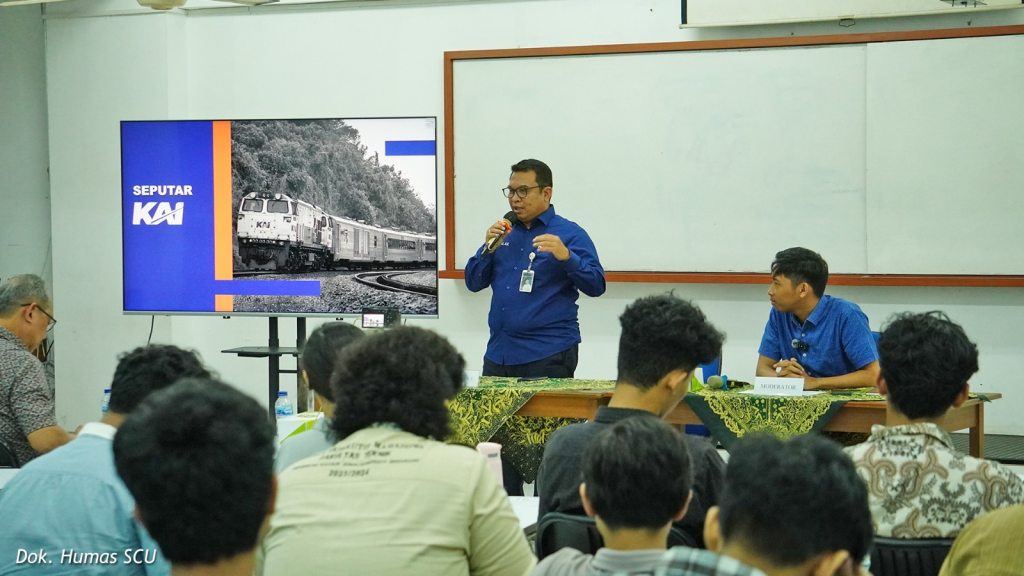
(837, 334)
(71, 501)
(528, 326)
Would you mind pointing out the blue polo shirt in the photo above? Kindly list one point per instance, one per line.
(528, 326)
(69, 503)
(837, 334)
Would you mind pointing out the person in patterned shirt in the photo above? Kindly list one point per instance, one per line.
(920, 486)
(28, 424)
(786, 508)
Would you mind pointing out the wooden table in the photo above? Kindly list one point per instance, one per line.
(852, 417)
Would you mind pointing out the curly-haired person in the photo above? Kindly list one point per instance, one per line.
(391, 497)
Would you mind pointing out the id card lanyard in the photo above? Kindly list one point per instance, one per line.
(526, 281)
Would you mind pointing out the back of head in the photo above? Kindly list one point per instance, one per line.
(926, 360)
(541, 169)
(788, 502)
(661, 334)
(147, 369)
(637, 474)
(198, 458)
(402, 376)
(20, 290)
(321, 352)
(802, 265)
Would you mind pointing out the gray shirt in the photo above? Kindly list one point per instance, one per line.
(304, 445)
(559, 477)
(26, 400)
(607, 562)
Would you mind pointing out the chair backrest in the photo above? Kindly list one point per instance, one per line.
(8, 459)
(909, 557)
(556, 531)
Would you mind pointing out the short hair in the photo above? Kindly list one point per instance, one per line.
(926, 360)
(402, 376)
(661, 334)
(539, 168)
(21, 290)
(321, 351)
(802, 265)
(198, 457)
(147, 369)
(638, 473)
(791, 501)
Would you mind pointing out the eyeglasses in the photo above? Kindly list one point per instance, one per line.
(51, 323)
(522, 191)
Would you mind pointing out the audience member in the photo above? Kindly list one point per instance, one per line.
(72, 499)
(989, 546)
(636, 481)
(823, 339)
(794, 508)
(199, 459)
(390, 497)
(317, 363)
(28, 424)
(921, 487)
(664, 338)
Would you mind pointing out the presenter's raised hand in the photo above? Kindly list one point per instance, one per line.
(496, 230)
(553, 244)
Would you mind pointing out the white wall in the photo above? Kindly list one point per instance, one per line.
(24, 185)
(371, 59)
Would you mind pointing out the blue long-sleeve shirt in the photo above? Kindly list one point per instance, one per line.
(528, 326)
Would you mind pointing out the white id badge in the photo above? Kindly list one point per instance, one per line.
(526, 281)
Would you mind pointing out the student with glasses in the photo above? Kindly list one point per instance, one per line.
(536, 268)
(28, 423)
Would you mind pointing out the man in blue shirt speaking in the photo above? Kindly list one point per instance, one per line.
(536, 264)
(822, 339)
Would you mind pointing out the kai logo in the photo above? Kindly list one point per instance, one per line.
(145, 214)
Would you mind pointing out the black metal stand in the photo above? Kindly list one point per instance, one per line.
(273, 351)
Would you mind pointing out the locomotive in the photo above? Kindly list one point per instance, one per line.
(278, 232)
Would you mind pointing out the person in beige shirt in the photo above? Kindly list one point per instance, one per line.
(389, 497)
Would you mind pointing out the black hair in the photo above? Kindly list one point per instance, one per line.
(926, 360)
(802, 265)
(321, 352)
(403, 376)
(539, 168)
(637, 473)
(661, 334)
(791, 501)
(198, 457)
(147, 369)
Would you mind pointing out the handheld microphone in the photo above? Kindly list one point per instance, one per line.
(510, 220)
(724, 382)
(800, 345)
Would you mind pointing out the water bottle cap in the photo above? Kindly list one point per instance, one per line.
(106, 390)
(282, 393)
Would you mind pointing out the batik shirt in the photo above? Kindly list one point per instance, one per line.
(921, 487)
(26, 400)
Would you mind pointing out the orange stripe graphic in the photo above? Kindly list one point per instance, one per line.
(223, 252)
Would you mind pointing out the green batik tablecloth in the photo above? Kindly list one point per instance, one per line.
(730, 415)
(486, 413)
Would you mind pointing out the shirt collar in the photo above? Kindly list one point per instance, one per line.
(820, 310)
(105, 431)
(6, 334)
(546, 216)
(922, 429)
(609, 415)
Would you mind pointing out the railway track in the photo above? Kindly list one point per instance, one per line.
(390, 281)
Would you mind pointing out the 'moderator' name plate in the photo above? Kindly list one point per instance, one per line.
(767, 386)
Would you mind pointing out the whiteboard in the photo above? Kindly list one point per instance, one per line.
(944, 156)
(887, 158)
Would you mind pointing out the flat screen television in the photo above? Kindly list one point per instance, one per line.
(310, 217)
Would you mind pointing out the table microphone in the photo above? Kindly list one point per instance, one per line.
(510, 220)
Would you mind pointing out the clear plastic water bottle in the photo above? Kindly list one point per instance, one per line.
(283, 406)
(105, 404)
